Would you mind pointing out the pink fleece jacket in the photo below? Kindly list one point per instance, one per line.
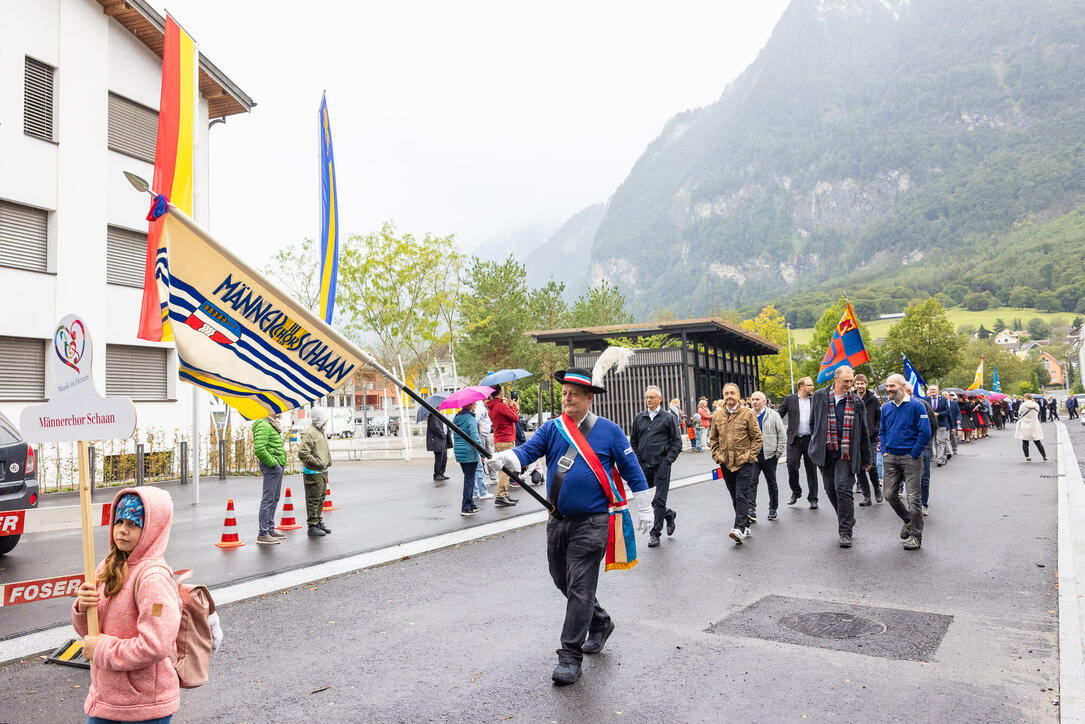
(131, 677)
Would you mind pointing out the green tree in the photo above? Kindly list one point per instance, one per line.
(978, 301)
(775, 371)
(392, 286)
(602, 305)
(926, 336)
(1000, 324)
(1022, 297)
(1038, 328)
(814, 352)
(983, 332)
(296, 270)
(1048, 301)
(547, 309)
(494, 311)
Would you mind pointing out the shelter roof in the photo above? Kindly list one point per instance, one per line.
(224, 97)
(707, 330)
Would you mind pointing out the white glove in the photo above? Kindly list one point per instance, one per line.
(646, 516)
(502, 460)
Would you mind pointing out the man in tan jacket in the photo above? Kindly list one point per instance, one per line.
(316, 458)
(735, 439)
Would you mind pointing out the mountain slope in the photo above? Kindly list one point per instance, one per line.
(868, 135)
(566, 255)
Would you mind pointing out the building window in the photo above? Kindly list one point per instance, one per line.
(24, 237)
(38, 99)
(125, 256)
(133, 128)
(22, 368)
(138, 373)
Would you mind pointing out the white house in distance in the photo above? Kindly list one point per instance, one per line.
(79, 88)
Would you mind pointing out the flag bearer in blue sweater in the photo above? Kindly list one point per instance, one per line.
(578, 531)
(905, 431)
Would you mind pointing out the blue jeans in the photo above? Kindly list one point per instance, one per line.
(469, 470)
(99, 720)
(700, 437)
(480, 480)
(881, 471)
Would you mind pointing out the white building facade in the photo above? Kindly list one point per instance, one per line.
(79, 92)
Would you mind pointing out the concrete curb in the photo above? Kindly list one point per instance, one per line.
(48, 639)
(1071, 494)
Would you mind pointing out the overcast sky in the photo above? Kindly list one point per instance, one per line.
(472, 118)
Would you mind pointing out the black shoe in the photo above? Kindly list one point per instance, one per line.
(670, 522)
(913, 543)
(772, 513)
(906, 530)
(866, 501)
(565, 674)
(793, 499)
(316, 532)
(503, 502)
(752, 517)
(814, 505)
(326, 529)
(598, 639)
(845, 541)
(653, 541)
(878, 496)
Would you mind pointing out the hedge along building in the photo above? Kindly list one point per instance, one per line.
(700, 356)
(80, 82)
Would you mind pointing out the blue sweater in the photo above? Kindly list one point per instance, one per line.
(465, 453)
(581, 493)
(905, 430)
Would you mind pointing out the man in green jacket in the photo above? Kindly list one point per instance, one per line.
(316, 458)
(267, 442)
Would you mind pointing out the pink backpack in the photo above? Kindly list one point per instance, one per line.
(199, 633)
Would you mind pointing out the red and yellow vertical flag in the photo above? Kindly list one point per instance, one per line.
(173, 165)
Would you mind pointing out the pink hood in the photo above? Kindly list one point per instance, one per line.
(131, 677)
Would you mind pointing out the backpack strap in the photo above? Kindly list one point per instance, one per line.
(143, 572)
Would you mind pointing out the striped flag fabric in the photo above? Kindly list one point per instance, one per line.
(915, 381)
(239, 337)
(173, 169)
(329, 218)
(978, 382)
(845, 348)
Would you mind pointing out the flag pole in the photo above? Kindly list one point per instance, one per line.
(314, 321)
(790, 361)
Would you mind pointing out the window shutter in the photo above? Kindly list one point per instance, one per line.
(22, 368)
(126, 253)
(133, 129)
(138, 373)
(24, 237)
(38, 99)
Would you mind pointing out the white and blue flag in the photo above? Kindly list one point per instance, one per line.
(919, 387)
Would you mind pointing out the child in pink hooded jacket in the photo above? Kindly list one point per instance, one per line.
(131, 676)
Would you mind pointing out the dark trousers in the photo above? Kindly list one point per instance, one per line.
(1039, 446)
(1073, 413)
(798, 451)
(1052, 413)
(868, 479)
(925, 481)
(316, 487)
(440, 462)
(574, 549)
(269, 498)
(768, 467)
(839, 480)
(742, 485)
(907, 472)
(659, 477)
(468, 501)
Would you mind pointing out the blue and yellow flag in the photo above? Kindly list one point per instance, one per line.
(329, 218)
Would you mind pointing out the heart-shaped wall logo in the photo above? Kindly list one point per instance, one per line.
(70, 342)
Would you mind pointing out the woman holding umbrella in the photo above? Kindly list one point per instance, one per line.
(467, 456)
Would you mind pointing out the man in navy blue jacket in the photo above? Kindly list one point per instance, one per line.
(578, 530)
(905, 432)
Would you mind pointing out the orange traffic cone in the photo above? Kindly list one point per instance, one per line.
(287, 522)
(229, 529)
(328, 504)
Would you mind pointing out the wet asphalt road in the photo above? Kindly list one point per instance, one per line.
(468, 634)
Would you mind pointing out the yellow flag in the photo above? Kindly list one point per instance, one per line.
(978, 382)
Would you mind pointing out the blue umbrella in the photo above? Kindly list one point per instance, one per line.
(502, 376)
(433, 401)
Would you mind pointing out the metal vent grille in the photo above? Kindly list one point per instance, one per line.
(126, 254)
(133, 129)
(22, 368)
(138, 373)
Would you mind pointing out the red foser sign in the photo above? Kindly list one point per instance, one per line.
(11, 523)
(42, 590)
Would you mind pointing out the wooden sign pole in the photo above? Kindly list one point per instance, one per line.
(88, 532)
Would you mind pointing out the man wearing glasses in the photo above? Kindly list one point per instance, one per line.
(656, 442)
(797, 408)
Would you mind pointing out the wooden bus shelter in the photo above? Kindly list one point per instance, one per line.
(698, 358)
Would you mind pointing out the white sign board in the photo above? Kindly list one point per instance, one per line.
(75, 410)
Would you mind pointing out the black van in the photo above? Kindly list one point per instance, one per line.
(18, 477)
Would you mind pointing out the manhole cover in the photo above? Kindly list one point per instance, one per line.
(832, 625)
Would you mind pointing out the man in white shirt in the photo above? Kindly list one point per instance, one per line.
(797, 408)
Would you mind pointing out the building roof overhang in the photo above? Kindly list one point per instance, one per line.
(224, 97)
(708, 330)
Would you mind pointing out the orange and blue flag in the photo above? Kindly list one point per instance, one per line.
(845, 348)
(329, 218)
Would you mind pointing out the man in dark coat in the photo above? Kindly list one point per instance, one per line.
(438, 441)
(840, 445)
(796, 409)
(656, 442)
(873, 407)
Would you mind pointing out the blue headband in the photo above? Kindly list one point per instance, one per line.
(130, 508)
